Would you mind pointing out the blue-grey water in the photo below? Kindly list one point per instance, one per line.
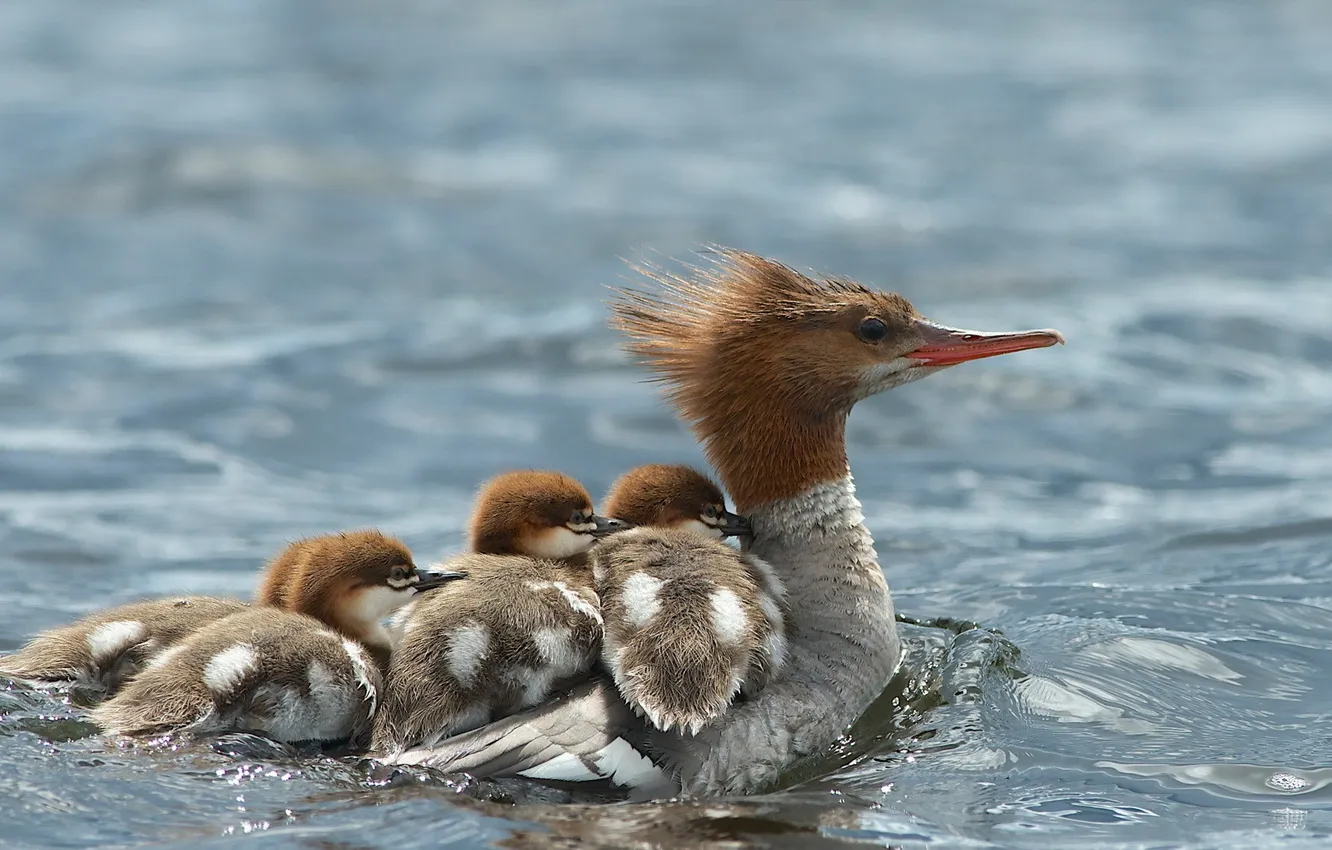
(270, 268)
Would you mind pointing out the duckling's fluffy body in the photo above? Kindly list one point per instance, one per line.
(284, 674)
(309, 670)
(100, 652)
(690, 623)
(503, 640)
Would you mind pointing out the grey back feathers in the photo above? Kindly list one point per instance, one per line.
(690, 623)
(106, 648)
(585, 735)
(498, 642)
(282, 674)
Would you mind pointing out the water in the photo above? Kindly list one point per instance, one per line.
(272, 268)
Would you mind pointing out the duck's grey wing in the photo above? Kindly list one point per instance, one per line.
(588, 735)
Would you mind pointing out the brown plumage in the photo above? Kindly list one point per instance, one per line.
(689, 621)
(663, 494)
(301, 579)
(525, 622)
(524, 513)
(98, 653)
(768, 357)
(302, 672)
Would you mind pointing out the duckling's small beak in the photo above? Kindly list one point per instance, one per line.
(431, 579)
(945, 346)
(606, 526)
(730, 524)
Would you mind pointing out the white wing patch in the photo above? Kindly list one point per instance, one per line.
(565, 767)
(618, 761)
(626, 766)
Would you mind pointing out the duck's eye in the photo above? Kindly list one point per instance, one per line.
(710, 512)
(578, 518)
(872, 330)
(398, 574)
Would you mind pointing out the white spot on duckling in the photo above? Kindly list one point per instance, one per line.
(226, 670)
(728, 616)
(111, 639)
(640, 598)
(555, 648)
(534, 683)
(576, 601)
(164, 657)
(361, 665)
(468, 646)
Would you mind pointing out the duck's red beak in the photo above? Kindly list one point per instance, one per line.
(944, 346)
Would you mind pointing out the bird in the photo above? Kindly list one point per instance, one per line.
(526, 622)
(764, 363)
(690, 623)
(303, 666)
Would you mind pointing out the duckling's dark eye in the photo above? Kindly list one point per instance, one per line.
(710, 512)
(578, 518)
(398, 574)
(872, 330)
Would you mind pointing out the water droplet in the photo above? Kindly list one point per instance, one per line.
(1287, 782)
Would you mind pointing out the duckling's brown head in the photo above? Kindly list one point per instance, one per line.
(351, 580)
(673, 496)
(537, 513)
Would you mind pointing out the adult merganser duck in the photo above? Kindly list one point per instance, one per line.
(301, 672)
(689, 621)
(526, 621)
(765, 363)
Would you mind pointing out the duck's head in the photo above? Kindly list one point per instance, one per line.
(673, 496)
(766, 363)
(539, 514)
(351, 580)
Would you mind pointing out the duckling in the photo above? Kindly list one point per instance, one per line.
(524, 623)
(309, 670)
(689, 621)
(96, 654)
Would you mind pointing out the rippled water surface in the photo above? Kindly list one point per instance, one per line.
(271, 268)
